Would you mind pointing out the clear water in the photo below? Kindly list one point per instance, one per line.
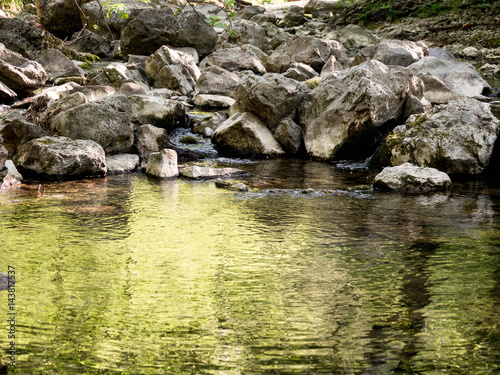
(129, 275)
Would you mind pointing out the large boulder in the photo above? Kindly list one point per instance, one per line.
(172, 69)
(463, 76)
(245, 57)
(60, 17)
(270, 97)
(115, 75)
(408, 177)
(456, 138)
(354, 37)
(346, 113)
(308, 50)
(294, 16)
(216, 81)
(106, 121)
(60, 158)
(244, 135)
(158, 111)
(400, 52)
(58, 65)
(321, 8)
(153, 28)
(149, 139)
(19, 73)
(436, 90)
(91, 42)
(244, 32)
(289, 135)
(18, 131)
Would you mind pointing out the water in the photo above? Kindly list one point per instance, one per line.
(131, 275)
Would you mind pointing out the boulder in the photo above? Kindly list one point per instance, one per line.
(66, 103)
(331, 66)
(270, 97)
(211, 122)
(213, 101)
(244, 135)
(408, 177)
(58, 65)
(4, 153)
(289, 135)
(400, 52)
(149, 139)
(244, 32)
(12, 177)
(115, 75)
(354, 37)
(6, 94)
(106, 121)
(122, 163)
(163, 164)
(196, 172)
(456, 138)
(436, 90)
(245, 57)
(301, 72)
(347, 112)
(248, 12)
(294, 16)
(132, 88)
(216, 81)
(60, 17)
(60, 158)
(263, 19)
(153, 28)
(321, 8)
(463, 76)
(18, 131)
(175, 70)
(308, 50)
(91, 42)
(19, 73)
(158, 111)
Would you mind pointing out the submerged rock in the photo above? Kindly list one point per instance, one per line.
(196, 172)
(122, 163)
(163, 164)
(409, 177)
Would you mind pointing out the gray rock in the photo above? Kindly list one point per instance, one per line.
(244, 135)
(301, 72)
(263, 18)
(12, 177)
(348, 110)
(436, 90)
(58, 65)
(158, 111)
(163, 164)
(149, 139)
(66, 103)
(106, 121)
(456, 138)
(91, 42)
(289, 135)
(172, 69)
(216, 81)
(60, 17)
(244, 32)
(354, 37)
(364, 54)
(132, 88)
(207, 132)
(196, 172)
(248, 12)
(246, 57)
(114, 75)
(409, 177)
(122, 163)
(211, 123)
(4, 154)
(17, 132)
(331, 66)
(213, 101)
(60, 158)
(270, 97)
(19, 73)
(239, 186)
(294, 16)
(6, 93)
(400, 52)
(321, 8)
(308, 50)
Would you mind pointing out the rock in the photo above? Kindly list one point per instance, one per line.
(321, 8)
(308, 50)
(153, 28)
(212, 122)
(57, 65)
(248, 12)
(60, 17)
(60, 158)
(216, 81)
(471, 52)
(348, 110)
(4, 154)
(436, 90)
(263, 18)
(12, 177)
(197, 172)
(17, 132)
(456, 138)
(392, 33)
(239, 186)
(354, 37)
(294, 16)
(132, 88)
(244, 32)
(106, 121)
(122, 163)
(246, 57)
(114, 75)
(91, 42)
(66, 103)
(163, 164)
(158, 111)
(270, 97)
(331, 66)
(207, 132)
(400, 52)
(463, 76)
(301, 72)
(289, 135)
(409, 177)
(244, 135)
(175, 70)
(19, 73)
(364, 54)
(213, 101)
(149, 139)
(6, 94)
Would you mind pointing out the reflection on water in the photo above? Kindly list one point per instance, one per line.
(135, 276)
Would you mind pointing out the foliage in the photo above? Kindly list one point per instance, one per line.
(110, 7)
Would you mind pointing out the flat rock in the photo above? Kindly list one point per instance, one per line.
(409, 177)
(198, 172)
(122, 163)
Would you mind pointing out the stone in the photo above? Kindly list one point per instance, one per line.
(263, 18)
(19, 73)
(456, 138)
(245, 57)
(216, 81)
(400, 52)
(212, 122)
(60, 158)
(346, 113)
(58, 65)
(270, 97)
(354, 37)
(106, 121)
(122, 163)
(248, 12)
(6, 94)
(60, 17)
(17, 132)
(163, 164)
(114, 75)
(364, 54)
(294, 16)
(196, 172)
(321, 8)
(132, 88)
(158, 111)
(331, 66)
(239, 186)
(213, 101)
(308, 50)
(91, 42)
(244, 135)
(207, 132)
(12, 177)
(471, 52)
(4, 153)
(172, 69)
(436, 90)
(289, 135)
(301, 72)
(149, 139)
(66, 103)
(244, 32)
(408, 177)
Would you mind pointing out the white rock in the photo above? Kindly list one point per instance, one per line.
(163, 164)
(410, 177)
